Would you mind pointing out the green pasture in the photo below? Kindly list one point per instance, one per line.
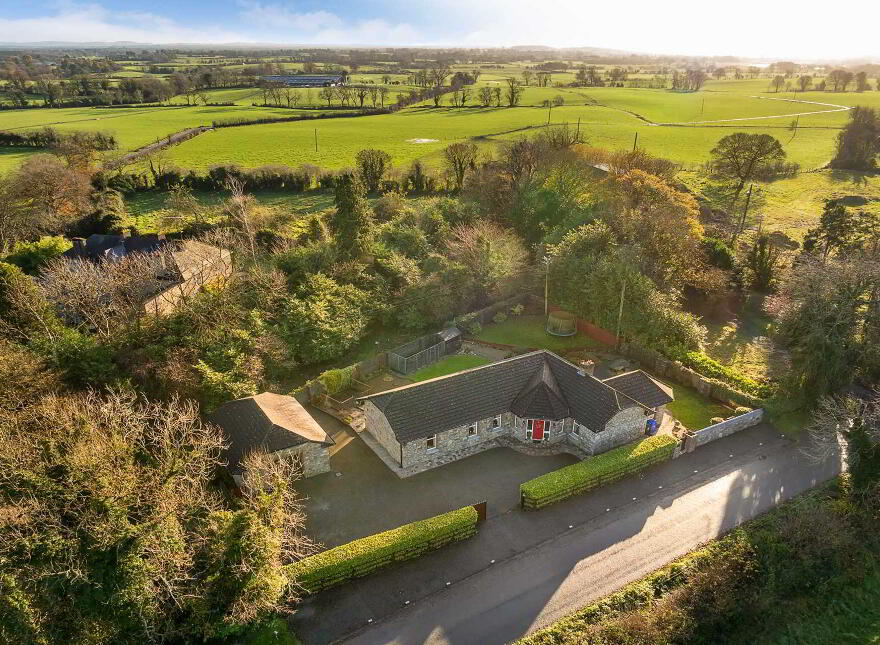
(133, 127)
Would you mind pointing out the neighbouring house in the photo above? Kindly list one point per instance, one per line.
(182, 267)
(276, 423)
(536, 398)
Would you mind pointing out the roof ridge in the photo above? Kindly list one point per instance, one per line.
(408, 386)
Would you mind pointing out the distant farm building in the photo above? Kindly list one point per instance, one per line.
(300, 80)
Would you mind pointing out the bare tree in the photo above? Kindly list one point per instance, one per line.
(108, 295)
(383, 94)
(239, 210)
(496, 95)
(459, 158)
(513, 92)
(327, 94)
(361, 92)
(527, 76)
(484, 95)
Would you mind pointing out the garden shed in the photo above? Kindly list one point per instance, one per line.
(425, 350)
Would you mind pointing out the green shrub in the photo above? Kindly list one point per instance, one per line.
(709, 367)
(741, 410)
(362, 557)
(31, 256)
(516, 310)
(335, 381)
(499, 318)
(601, 469)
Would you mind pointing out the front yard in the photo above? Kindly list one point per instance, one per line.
(694, 410)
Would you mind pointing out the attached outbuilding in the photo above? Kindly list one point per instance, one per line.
(276, 423)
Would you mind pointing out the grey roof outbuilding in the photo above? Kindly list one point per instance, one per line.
(641, 387)
(266, 421)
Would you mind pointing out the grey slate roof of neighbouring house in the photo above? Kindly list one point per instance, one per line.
(535, 385)
(98, 247)
(266, 421)
(641, 387)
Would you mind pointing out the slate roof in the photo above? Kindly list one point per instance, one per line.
(641, 387)
(270, 421)
(535, 385)
(98, 247)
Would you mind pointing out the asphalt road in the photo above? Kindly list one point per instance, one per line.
(540, 585)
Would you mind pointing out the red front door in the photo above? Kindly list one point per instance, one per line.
(538, 430)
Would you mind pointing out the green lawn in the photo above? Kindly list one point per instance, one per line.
(449, 365)
(694, 410)
(529, 332)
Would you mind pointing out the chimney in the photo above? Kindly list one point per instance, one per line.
(161, 237)
(79, 244)
(126, 233)
(586, 367)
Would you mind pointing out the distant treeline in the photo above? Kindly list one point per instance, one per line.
(51, 138)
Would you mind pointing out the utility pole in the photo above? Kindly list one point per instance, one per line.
(316, 139)
(703, 106)
(578, 135)
(546, 286)
(620, 311)
(636, 141)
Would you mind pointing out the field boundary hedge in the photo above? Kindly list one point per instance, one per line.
(595, 471)
(366, 555)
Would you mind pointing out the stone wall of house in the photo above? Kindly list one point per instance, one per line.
(455, 443)
(728, 427)
(625, 426)
(314, 457)
(556, 431)
(378, 426)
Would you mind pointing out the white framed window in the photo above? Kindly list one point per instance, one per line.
(472, 430)
(496, 423)
(431, 443)
(529, 424)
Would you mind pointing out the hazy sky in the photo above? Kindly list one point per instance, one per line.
(759, 28)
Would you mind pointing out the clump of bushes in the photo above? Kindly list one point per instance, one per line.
(595, 471)
(708, 366)
(337, 380)
(362, 557)
(500, 317)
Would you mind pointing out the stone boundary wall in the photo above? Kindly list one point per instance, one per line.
(661, 366)
(728, 427)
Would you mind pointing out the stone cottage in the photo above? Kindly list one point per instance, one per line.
(277, 424)
(179, 268)
(536, 398)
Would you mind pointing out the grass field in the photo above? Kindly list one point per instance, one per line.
(449, 365)
(610, 117)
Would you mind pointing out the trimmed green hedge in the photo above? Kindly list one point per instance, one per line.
(362, 557)
(596, 471)
(709, 367)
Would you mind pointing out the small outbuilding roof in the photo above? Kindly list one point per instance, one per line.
(641, 387)
(266, 421)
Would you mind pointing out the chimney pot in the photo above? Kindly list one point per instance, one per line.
(79, 243)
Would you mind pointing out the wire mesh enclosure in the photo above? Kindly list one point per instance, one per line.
(423, 351)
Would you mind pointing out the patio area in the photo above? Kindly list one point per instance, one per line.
(361, 496)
